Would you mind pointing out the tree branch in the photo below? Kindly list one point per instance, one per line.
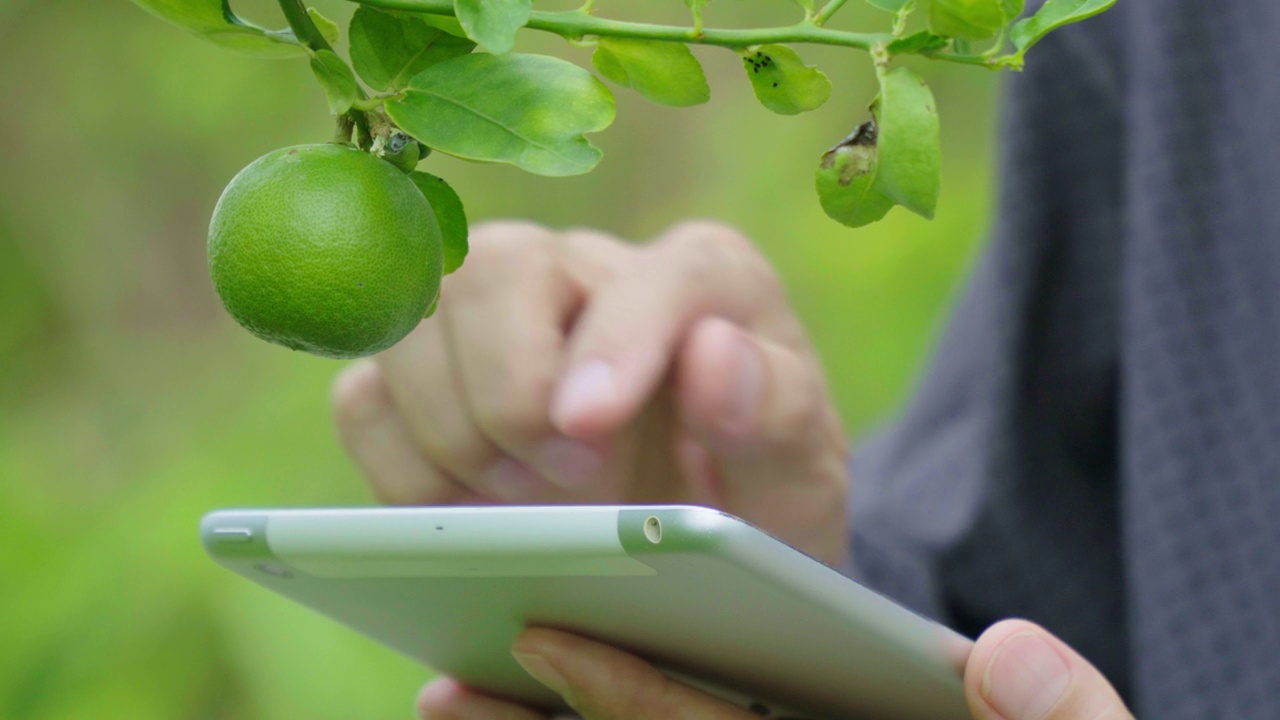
(300, 22)
(575, 24)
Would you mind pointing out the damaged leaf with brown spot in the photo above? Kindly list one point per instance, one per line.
(846, 179)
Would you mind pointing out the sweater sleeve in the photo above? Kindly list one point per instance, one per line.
(993, 493)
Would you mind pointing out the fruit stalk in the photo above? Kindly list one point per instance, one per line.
(308, 34)
(300, 22)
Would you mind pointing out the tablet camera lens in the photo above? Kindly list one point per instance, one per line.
(653, 530)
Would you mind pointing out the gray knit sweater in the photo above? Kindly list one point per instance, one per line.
(1096, 445)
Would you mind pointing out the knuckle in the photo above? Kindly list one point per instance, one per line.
(490, 252)
(802, 407)
(500, 264)
(590, 255)
(359, 394)
(710, 249)
(711, 238)
(457, 447)
(515, 406)
(586, 237)
(498, 243)
(503, 232)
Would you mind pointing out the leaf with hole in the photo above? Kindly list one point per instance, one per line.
(389, 48)
(528, 110)
(921, 42)
(1053, 15)
(968, 19)
(493, 24)
(665, 73)
(450, 215)
(910, 155)
(783, 83)
(337, 80)
(846, 180)
(214, 21)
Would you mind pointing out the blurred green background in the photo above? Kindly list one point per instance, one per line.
(130, 403)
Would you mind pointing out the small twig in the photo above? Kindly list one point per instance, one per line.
(827, 11)
(308, 34)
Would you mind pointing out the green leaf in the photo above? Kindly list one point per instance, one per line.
(783, 83)
(846, 179)
(910, 155)
(892, 6)
(388, 48)
(1014, 8)
(664, 72)
(493, 23)
(1053, 15)
(328, 28)
(337, 79)
(449, 214)
(968, 19)
(528, 110)
(214, 21)
(921, 42)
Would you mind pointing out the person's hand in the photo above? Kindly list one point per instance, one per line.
(571, 367)
(1017, 671)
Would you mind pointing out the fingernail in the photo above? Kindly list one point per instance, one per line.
(749, 384)
(510, 480)
(438, 694)
(1025, 677)
(571, 464)
(587, 384)
(541, 670)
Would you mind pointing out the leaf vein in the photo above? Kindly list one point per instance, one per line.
(396, 82)
(495, 122)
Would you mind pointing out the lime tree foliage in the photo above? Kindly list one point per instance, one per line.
(428, 76)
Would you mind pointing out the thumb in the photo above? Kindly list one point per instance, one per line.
(1018, 671)
(762, 411)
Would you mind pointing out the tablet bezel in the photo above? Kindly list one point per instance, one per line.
(349, 563)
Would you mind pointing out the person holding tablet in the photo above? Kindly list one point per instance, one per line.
(1094, 447)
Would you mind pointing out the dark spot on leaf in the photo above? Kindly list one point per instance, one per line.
(360, 284)
(860, 149)
(775, 84)
(398, 141)
(865, 134)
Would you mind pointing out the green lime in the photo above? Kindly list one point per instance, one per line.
(325, 248)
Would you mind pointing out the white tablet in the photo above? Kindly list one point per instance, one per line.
(703, 595)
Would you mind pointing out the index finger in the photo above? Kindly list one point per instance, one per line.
(623, 344)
